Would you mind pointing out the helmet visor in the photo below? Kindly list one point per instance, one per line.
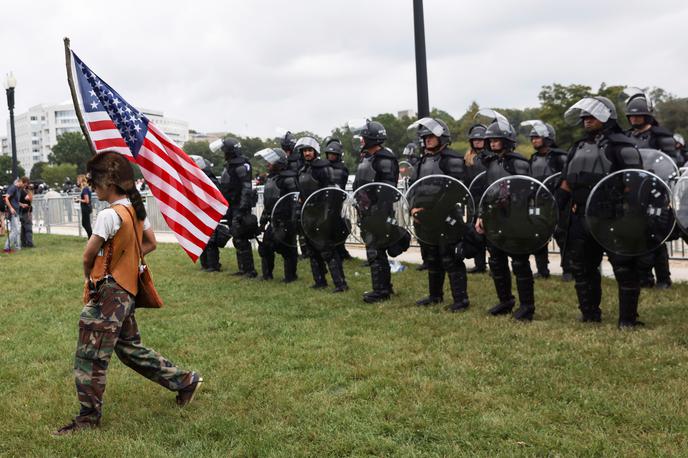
(587, 107)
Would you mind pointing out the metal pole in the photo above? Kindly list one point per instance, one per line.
(421, 64)
(10, 104)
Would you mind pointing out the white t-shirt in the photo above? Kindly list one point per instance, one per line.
(108, 221)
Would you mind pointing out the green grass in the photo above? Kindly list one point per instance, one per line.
(294, 372)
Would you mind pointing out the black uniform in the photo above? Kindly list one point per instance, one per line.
(295, 161)
(210, 257)
(442, 258)
(277, 185)
(315, 175)
(661, 139)
(236, 187)
(381, 167)
(589, 161)
(499, 166)
(26, 219)
(472, 171)
(543, 166)
(340, 177)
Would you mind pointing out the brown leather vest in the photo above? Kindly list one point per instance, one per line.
(124, 261)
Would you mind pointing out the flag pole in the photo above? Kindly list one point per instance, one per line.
(77, 107)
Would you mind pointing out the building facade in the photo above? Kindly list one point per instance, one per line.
(38, 129)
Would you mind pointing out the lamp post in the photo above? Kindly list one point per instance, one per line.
(10, 84)
(421, 64)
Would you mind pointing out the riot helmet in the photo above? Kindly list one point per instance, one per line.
(410, 150)
(288, 142)
(429, 126)
(334, 146)
(202, 163)
(275, 157)
(368, 134)
(499, 128)
(598, 107)
(678, 138)
(638, 103)
(305, 143)
(231, 147)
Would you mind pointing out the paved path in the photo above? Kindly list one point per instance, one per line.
(679, 269)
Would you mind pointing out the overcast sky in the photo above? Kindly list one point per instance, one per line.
(253, 65)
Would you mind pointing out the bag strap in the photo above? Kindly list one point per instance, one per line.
(136, 235)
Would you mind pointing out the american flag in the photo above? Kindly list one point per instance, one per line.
(190, 203)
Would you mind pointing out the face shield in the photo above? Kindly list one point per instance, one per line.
(587, 107)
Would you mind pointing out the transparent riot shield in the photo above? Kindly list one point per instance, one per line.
(381, 214)
(284, 219)
(660, 164)
(629, 213)
(441, 208)
(519, 214)
(324, 218)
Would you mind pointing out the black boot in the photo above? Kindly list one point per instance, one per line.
(290, 263)
(240, 264)
(267, 265)
(249, 267)
(203, 259)
(318, 270)
(628, 308)
(435, 289)
(213, 259)
(502, 282)
(542, 264)
(589, 302)
(458, 284)
(337, 272)
(380, 291)
(526, 297)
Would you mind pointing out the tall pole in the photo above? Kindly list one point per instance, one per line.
(421, 64)
(75, 99)
(10, 105)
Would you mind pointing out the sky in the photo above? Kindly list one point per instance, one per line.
(254, 66)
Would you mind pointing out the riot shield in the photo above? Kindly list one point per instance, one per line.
(441, 208)
(478, 186)
(324, 218)
(660, 164)
(628, 212)
(519, 214)
(679, 197)
(284, 221)
(382, 214)
(552, 182)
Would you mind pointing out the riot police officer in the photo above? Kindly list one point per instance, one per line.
(473, 160)
(379, 164)
(546, 161)
(210, 257)
(603, 150)
(236, 186)
(334, 153)
(317, 174)
(410, 154)
(439, 159)
(294, 158)
(503, 161)
(681, 147)
(647, 133)
(278, 236)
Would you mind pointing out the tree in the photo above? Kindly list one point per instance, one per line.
(54, 175)
(6, 170)
(71, 148)
(37, 170)
(673, 114)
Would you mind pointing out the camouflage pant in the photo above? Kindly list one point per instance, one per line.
(107, 324)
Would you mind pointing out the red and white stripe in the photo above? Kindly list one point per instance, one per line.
(190, 203)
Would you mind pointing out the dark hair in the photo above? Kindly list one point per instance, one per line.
(110, 168)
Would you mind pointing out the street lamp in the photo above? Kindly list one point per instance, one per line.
(10, 84)
(421, 64)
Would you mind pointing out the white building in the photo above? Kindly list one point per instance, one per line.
(410, 113)
(37, 130)
(4, 145)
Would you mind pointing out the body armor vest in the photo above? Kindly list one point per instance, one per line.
(542, 167)
(339, 174)
(365, 173)
(430, 165)
(307, 183)
(271, 193)
(588, 165)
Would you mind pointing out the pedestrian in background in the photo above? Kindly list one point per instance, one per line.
(86, 204)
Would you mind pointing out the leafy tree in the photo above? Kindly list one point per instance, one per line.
(6, 170)
(71, 148)
(672, 113)
(554, 101)
(37, 170)
(54, 175)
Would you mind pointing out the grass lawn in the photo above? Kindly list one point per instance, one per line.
(291, 372)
